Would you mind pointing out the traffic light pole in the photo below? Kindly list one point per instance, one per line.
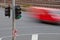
(13, 20)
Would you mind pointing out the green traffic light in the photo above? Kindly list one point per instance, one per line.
(18, 17)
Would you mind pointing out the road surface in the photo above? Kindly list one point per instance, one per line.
(26, 27)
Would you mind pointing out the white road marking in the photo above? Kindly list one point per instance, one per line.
(0, 38)
(34, 37)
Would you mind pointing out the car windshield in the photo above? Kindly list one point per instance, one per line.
(55, 12)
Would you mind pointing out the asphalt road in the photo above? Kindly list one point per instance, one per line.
(26, 27)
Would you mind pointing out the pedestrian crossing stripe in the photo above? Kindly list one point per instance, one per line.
(34, 37)
(0, 38)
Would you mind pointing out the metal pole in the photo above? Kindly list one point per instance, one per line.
(13, 17)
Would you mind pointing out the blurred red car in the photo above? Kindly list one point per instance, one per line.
(45, 14)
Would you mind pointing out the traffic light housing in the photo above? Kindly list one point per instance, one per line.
(17, 12)
(7, 11)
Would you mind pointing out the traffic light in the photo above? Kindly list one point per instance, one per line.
(7, 11)
(17, 12)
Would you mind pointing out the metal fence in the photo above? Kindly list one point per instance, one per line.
(42, 3)
(32, 1)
